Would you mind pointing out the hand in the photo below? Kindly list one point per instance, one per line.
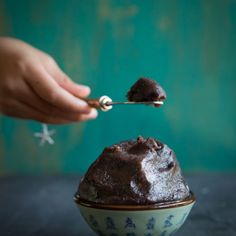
(32, 86)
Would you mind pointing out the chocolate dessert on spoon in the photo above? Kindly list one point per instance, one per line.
(144, 92)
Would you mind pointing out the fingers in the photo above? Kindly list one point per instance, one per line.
(63, 80)
(48, 89)
(92, 115)
(34, 101)
(20, 110)
(78, 90)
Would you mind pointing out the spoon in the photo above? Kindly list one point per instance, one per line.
(105, 103)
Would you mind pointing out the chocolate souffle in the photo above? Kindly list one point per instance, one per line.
(141, 171)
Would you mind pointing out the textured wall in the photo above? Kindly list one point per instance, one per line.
(188, 46)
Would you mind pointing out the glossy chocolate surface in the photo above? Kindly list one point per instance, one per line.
(146, 90)
(141, 171)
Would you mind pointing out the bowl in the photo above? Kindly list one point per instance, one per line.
(161, 219)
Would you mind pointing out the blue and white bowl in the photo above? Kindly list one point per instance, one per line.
(162, 219)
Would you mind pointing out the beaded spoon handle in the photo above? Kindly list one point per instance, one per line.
(105, 103)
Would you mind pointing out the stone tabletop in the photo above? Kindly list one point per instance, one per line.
(44, 206)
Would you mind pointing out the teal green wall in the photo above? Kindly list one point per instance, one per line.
(188, 46)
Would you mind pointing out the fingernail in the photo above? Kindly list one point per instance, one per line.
(93, 113)
(84, 87)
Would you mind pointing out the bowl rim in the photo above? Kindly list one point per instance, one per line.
(163, 205)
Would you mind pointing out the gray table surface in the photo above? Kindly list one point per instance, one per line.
(44, 206)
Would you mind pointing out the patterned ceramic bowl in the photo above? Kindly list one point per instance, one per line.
(137, 220)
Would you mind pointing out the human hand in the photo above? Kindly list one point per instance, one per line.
(32, 86)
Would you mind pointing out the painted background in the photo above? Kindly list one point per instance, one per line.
(188, 46)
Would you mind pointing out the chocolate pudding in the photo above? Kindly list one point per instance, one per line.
(141, 171)
(146, 90)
